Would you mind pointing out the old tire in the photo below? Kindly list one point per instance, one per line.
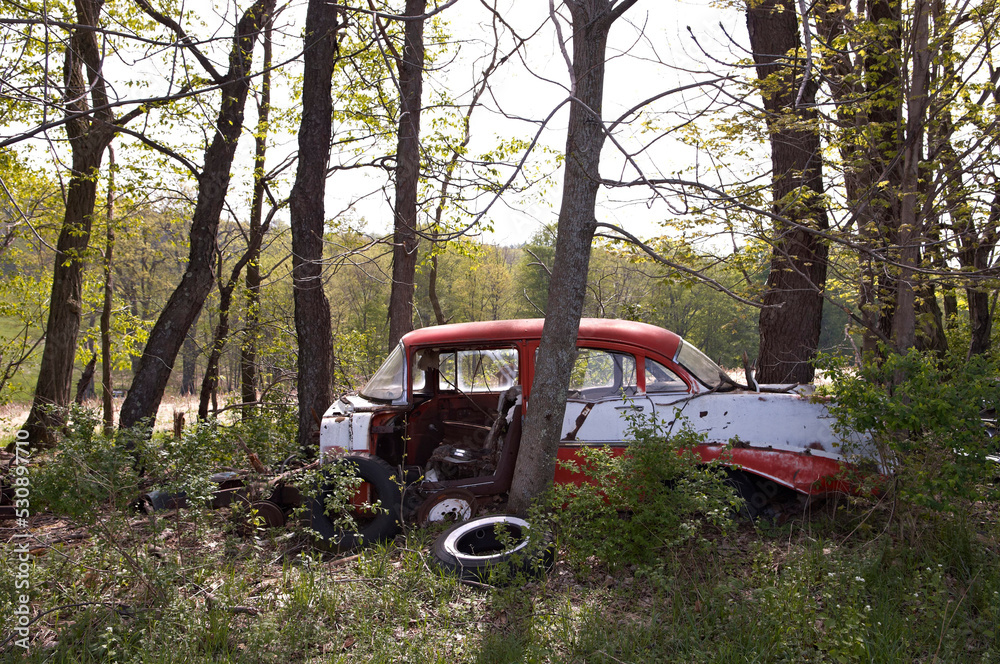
(474, 552)
(760, 498)
(378, 527)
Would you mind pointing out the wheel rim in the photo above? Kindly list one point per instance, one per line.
(478, 541)
(450, 509)
(449, 506)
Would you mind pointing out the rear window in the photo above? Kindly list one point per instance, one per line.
(602, 373)
(661, 379)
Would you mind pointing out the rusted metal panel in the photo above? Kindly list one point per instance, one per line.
(802, 471)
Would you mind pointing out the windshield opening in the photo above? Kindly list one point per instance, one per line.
(700, 366)
(387, 383)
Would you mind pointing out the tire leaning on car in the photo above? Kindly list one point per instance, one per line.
(474, 551)
(384, 525)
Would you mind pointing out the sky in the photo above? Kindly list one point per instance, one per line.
(650, 50)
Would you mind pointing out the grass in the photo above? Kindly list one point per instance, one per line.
(183, 587)
(848, 581)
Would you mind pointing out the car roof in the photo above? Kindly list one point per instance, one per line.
(641, 335)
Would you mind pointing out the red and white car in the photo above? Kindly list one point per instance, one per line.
(442, 416)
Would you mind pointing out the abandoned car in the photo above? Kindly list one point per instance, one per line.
(442, 418)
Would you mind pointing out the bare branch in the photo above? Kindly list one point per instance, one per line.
(393, 17)
(184, 38)
(659, 258)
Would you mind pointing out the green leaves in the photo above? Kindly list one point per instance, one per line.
(641, 503)
(924, 415)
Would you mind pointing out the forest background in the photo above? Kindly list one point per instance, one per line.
(693, 219)
(249, 203)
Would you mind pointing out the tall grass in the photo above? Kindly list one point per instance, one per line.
(850, 582)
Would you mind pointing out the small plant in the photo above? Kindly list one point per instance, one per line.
(88, 472)
(342, 506)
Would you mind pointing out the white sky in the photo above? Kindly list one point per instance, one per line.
(647, 46)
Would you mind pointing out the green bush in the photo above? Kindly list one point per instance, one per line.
(87, 472)
(923, 414)
(656, 496)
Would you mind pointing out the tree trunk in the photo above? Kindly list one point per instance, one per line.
(792, 315)
(109, 292)
(88, 138)
(312, 310)
(405, 240)
(975, 251)
(883, 172)
(210, 383)
(85, 386)
(567, 289)
(248, 350)
(432, 295)
(866, 91)
(189, 357)
(911, 226)
(185, 303)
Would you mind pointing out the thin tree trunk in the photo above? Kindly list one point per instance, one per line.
(189, 358)
(312, 310)
(185, 303)
(405, 239)
(792, 315)
(568, 286)
(975, 253)
(109, 292)
(432, 294)
(248, 350)
(210, 383)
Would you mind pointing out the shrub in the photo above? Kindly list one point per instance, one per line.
(87, 472)
(924, 416)
(657, 495)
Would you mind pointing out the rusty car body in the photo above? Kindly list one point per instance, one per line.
(443, 414)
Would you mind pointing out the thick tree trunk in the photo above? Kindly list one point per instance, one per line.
(911, 226)
(869, 106)
(791, 318)
(185, 303)
(312, 310)
(405, 239)
(88, 137)
(557, 351)
(883, 172)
